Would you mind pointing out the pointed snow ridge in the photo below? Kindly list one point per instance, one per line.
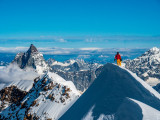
(108, 93)
(32, 49)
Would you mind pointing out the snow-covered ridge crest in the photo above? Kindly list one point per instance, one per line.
(147, 86)
(49, 98)
(60, 80)
(109, 95)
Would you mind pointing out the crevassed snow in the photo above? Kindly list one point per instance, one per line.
(148, 112)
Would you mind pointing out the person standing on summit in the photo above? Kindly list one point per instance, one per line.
(118, 58)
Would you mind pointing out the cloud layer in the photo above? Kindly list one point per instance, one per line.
(66, 51)
(12, 73)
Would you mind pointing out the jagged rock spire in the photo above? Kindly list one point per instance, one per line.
(32, 58)
(32, 49)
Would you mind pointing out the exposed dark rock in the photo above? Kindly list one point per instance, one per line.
(12, 94)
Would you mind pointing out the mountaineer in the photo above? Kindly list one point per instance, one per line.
(118, 58)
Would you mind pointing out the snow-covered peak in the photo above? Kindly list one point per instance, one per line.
(108, 98)
(32, 58)
(146, 66)
(152, 51)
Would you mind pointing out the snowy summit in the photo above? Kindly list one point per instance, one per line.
(32, 58)
(117, 94)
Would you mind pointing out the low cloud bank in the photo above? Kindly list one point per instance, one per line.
(14, 73)
(66, 51)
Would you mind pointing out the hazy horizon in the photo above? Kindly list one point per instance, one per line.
(80, 24)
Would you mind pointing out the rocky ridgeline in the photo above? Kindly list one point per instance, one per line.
(22, 105)
(11, 95)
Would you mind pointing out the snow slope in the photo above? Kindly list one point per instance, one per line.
(110, 95)
(148, 112)
(49, 97)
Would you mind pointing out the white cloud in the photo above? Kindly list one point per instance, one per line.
(14, 73)
(90, 49)
(62, 51)
(62, 40)
(13, 49)
(90, 40)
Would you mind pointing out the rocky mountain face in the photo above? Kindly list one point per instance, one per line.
(82, 74)
(147, 66)
(49, 97)
(116, 94)
(32, 58)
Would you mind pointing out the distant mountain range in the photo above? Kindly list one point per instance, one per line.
(147, 66)
(82, 73)
(110, 92)
(78, 71)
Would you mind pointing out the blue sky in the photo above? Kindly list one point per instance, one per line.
(80, 23)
